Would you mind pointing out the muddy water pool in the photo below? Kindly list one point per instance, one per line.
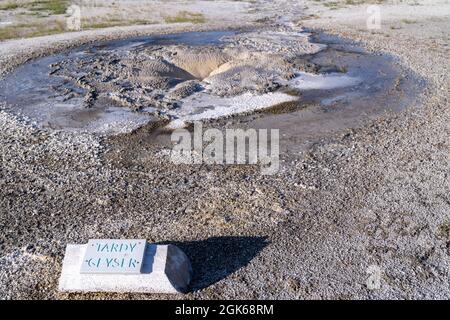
(110, 88)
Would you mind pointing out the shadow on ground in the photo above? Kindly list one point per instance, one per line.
(215, 258)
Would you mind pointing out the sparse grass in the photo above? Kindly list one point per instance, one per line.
(8, 33)
(36, 14)
(332, 5)
(26, 27)
(10, 5)
(336, 4)
(112, 22)
(357, 2)
(186, 16)
(407, 21)
(44, 17)
(29, 30)
(52, 6)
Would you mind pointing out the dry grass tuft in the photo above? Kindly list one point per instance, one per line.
(186, 16)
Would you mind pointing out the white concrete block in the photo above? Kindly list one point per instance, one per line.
(166, 269)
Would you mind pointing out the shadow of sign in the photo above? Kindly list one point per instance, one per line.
(149, 255)
(215, 258)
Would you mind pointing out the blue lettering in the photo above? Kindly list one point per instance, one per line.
(132, 263)
(93, 263)
(117, 262)
(109, 262)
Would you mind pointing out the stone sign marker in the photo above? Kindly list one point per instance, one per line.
(125, 265)
(114, 256)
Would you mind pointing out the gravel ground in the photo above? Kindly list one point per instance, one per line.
(371, 196)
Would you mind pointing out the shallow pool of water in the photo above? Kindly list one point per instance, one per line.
(31, 91)
(351, 86)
